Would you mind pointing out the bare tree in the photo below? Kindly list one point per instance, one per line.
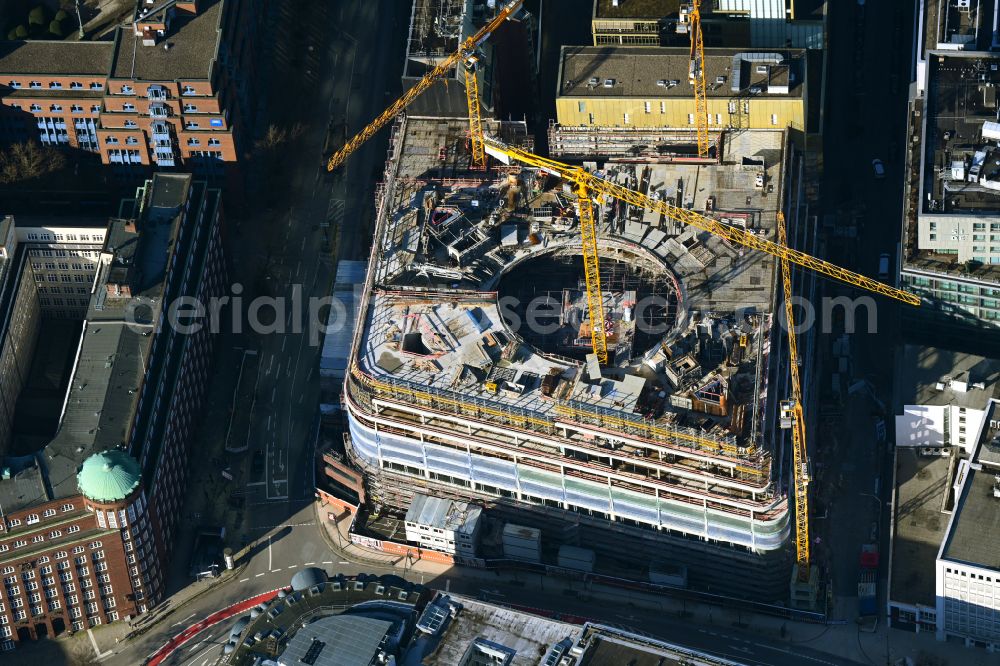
(276, 136)
(29, 160)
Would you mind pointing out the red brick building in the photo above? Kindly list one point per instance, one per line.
(79, 561)
(174, 88)
(87, 522)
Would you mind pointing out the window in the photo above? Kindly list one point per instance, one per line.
(188, 90)
(648, 107)
(95, 108)
(75, 85)
(35, 84)
(55, 85)
(36, 107)
(56, 107)
(14, 84)
(190, 124)
(663, 107)
(196, 142)
(130, 124)
(48, 513)
(128, 107)
(774, 118)
(96, 86)
(111, 140)
(581, 107)
(191, 108)
(211, 142)
(31, 519)
(76, 108)
(127, 90)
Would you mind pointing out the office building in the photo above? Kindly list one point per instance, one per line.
(951, 222)
(968, 563)
(665, 454)
(175, 87)
(108, 485)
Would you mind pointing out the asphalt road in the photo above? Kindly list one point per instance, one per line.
(869, 56)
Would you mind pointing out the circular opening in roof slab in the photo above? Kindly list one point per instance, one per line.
(543, 299)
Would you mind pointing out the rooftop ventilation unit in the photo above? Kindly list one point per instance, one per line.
(609, 83)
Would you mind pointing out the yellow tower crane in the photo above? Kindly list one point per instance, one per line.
(599, 188)
(465, 55)
(792, 417)
(696, 74)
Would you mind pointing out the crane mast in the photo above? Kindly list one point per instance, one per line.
(592, 274)
(697, 77)
(792, 417)
(465, 51)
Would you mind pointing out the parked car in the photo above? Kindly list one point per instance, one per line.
(878, 168)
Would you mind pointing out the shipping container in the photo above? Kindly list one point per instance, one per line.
(522, 543)
(581, 559)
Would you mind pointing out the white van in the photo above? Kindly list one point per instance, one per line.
(883, 267)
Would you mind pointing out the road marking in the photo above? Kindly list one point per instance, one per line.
(258, 575)
(328, 562)
(268, 552)
(292, 566)
(276, 570)
(308, 564)
(243, 580)
(342, 562)
(97, 650)
(796, 654)
(180, 622)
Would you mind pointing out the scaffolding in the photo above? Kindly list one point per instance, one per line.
(663, 144)
(751, 462)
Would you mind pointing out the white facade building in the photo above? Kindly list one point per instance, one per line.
(949, 410)
(443, 524)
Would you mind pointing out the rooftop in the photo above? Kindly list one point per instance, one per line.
(974, 534)
(337, 640)
(958, 109)
(922, 494)
(636, 8)
(530, 637)
(944, 377)
(600, 71)
(460, 517)
(193, 42)
(55, 57)
(109, 476)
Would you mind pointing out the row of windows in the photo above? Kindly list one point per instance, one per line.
(55, 85)
(45, 236)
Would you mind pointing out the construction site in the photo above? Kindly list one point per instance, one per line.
(585, 351)
(455, 390)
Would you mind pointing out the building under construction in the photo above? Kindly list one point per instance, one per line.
(470, 377)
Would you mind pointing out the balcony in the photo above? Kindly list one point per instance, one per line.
(159, 110)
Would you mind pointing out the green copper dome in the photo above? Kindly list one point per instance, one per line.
(108, 476)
